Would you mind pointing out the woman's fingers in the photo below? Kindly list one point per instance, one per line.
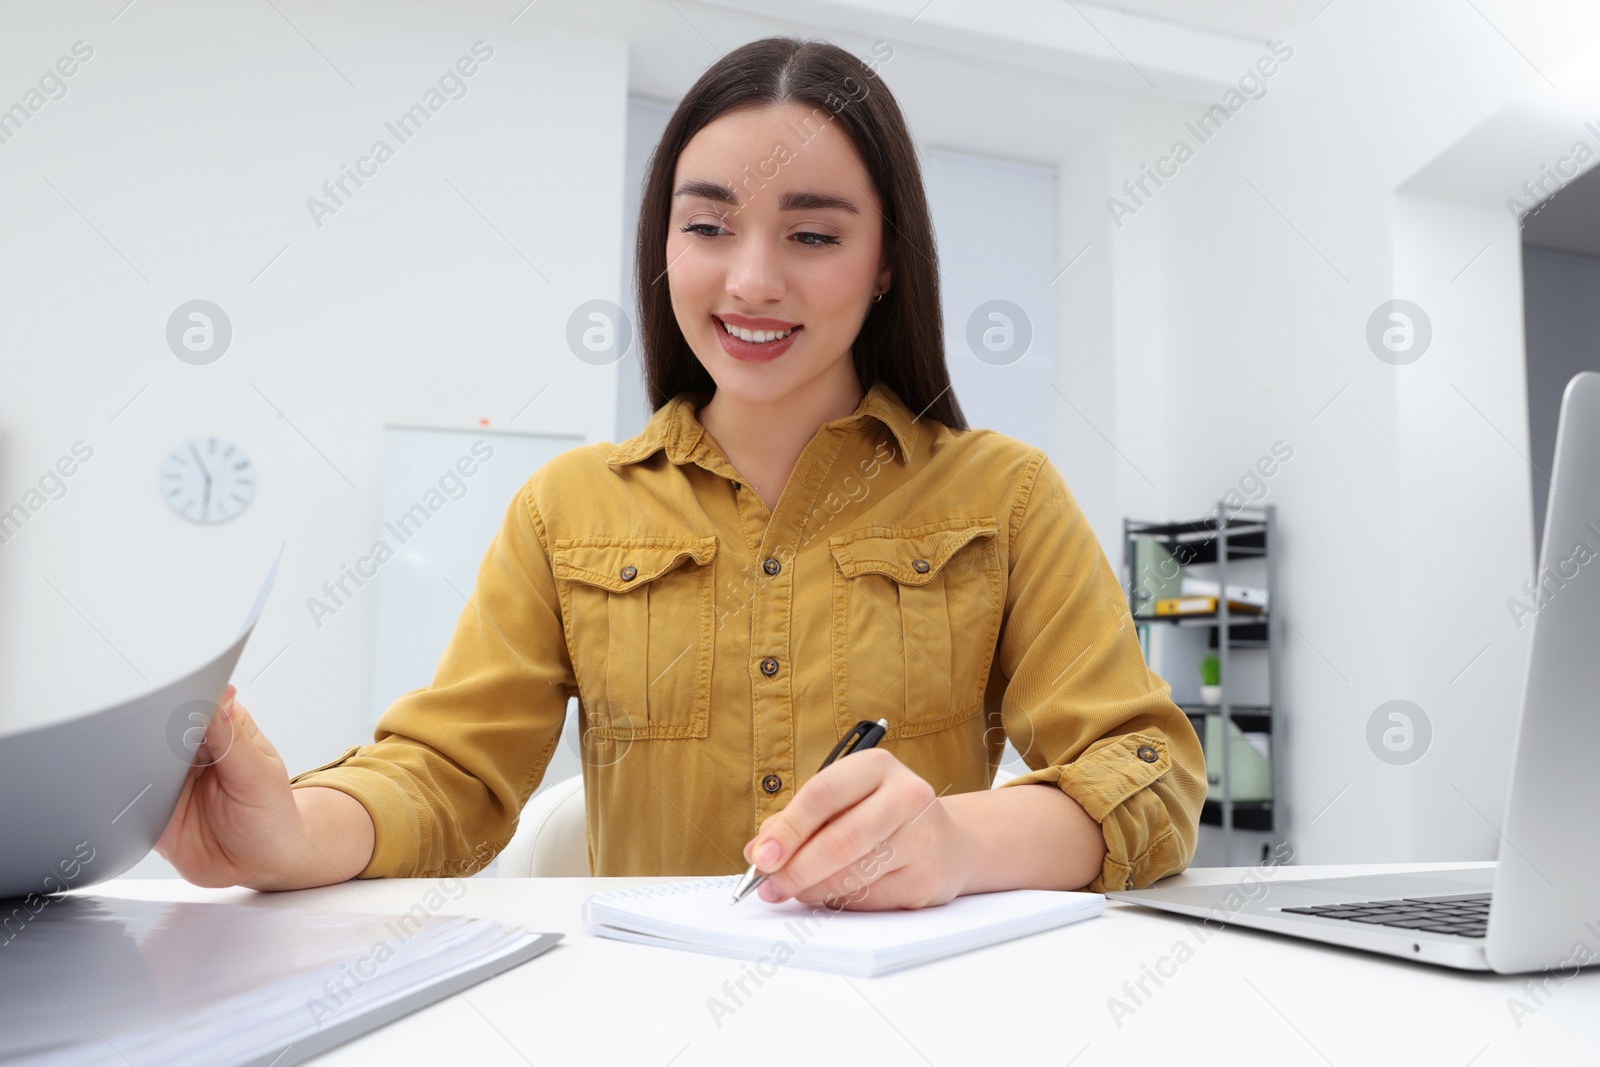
(235, 810)
(825, 830)
(245, 762)
(220, 732)
(910, 869)
(902, 886)
(171, 835)
(836, 788)
(178, 841)
(853, 882)
(867, 833)
(257, 738)
(850, 836)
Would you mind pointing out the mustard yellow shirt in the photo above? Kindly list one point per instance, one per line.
(946, 581)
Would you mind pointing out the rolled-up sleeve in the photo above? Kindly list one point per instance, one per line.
(452, 763)
(1080, 704)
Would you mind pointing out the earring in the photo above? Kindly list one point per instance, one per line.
(879, 297)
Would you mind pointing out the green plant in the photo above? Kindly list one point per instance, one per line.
(1211, 670)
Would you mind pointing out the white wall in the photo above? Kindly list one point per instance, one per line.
(646, 120)
(178, 165)
(1404, 511)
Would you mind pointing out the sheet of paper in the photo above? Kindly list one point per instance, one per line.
(261, 597)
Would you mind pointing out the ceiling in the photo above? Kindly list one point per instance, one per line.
(974, 75)
(1257, 20)
(1145, 51)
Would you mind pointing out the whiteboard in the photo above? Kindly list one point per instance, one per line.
(424, 587)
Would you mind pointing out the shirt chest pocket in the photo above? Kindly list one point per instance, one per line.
(916, 613)
(640, 619)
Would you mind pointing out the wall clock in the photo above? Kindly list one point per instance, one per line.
(207, 479)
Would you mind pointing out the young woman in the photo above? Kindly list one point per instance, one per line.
(805, 534)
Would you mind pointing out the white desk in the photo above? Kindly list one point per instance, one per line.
(1242, 997)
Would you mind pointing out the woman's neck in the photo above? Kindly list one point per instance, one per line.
(763, 439)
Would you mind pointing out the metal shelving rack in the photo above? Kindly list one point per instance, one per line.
(1245, 533)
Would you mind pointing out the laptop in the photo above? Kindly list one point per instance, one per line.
(1538, 906)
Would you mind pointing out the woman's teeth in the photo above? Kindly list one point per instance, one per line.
(757, 336)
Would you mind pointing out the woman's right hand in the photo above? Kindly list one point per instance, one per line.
(238, 822)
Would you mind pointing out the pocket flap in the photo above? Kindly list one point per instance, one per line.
(621, 566)
(910, 557)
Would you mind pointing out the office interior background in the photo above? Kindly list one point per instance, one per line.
(1189, 310)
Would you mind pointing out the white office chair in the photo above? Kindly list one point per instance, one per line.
(550, 841)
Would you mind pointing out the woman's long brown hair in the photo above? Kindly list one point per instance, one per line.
(901, 343)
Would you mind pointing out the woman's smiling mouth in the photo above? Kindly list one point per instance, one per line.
(755, 340)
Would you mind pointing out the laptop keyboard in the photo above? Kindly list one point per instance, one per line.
(1465, 915)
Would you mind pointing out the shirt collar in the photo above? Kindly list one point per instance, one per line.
(676, 428)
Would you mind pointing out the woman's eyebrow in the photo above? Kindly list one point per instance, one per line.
(789, 201)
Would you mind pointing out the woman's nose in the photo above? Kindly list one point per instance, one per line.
(755, 275)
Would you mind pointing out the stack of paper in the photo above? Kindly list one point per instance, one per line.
(98, 980)
(1248, 596)
(698, 916)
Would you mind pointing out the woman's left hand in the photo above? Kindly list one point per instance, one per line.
(867, 831)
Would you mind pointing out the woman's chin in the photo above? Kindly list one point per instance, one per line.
(753, 383)
(767, 383)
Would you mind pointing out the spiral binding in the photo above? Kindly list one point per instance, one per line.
(666, 889)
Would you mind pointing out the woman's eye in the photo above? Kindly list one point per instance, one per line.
(700, 228)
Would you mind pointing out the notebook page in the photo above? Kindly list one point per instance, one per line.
(698, 915)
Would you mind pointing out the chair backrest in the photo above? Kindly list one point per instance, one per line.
(550, 841)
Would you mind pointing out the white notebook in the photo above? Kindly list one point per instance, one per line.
(698, 916)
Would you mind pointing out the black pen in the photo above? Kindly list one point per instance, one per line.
(863, 735)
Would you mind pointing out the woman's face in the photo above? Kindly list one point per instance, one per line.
(774, 224)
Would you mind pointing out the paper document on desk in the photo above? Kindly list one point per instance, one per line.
(89, 980)
(696, 915)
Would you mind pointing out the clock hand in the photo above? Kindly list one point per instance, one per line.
(201, 463)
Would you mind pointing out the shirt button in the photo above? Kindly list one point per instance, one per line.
(629, 572)
(1148, 754)
(1129, 883)
(772, 783)
(769, 666)
(771, 566)
(920, 566)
